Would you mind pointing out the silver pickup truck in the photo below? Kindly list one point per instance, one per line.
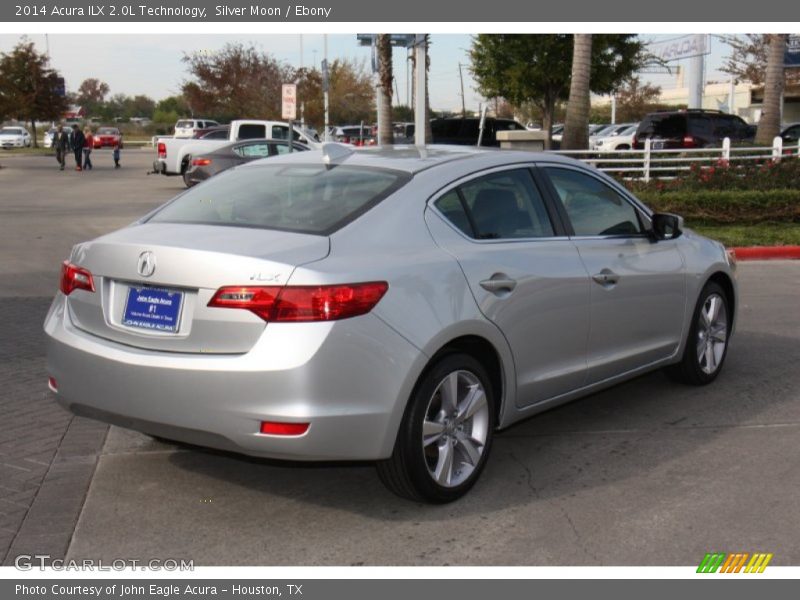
(175, 154)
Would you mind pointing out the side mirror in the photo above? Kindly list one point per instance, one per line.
(666, 226)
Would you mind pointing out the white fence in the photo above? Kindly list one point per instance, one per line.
(653, 163)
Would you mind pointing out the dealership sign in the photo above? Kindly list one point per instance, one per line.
(792, 57)
(682, 47)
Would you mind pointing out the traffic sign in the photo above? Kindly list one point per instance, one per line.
(289, 101)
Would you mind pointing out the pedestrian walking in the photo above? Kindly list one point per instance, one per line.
(78, 140)
(61, 144)
(116, 153)
(88, 146)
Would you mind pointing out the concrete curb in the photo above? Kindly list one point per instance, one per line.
(766, 252)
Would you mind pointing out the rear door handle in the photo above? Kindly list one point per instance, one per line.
(606, 277)
(499, 283)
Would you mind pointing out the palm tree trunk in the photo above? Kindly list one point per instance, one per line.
(385, 133)
(576, 127)
(770, 123)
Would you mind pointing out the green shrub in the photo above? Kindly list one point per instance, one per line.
(727, 206)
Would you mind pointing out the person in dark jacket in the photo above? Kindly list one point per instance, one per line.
(61, 145)
(78, 141)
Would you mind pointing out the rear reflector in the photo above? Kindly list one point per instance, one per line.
(201, 162)
(303, 303)
(275, 428)
(75, 278)
(51, 383)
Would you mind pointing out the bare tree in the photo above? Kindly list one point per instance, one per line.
(770, 123)
(576, 128)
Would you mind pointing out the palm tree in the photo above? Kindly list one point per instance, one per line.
(385, 133)
(770, 123)
(576, 127)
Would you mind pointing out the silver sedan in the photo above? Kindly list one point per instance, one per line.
(398, 306)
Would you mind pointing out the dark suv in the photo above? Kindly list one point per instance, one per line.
(464, 131)
(693, 128)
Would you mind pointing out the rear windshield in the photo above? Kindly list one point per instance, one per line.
(301, 198)
(663, 126)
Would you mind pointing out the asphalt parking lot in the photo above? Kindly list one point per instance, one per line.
(647, 473)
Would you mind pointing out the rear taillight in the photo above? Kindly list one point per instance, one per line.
(345, 140)
(75, 278)
(689, 142)
(201, 162)
(162, 150)
(303, 303)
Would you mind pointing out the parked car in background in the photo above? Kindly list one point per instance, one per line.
(692, 128)
(791, 134)
(620, 138)
(14, 137)
(394, 305)
(404, 133)
(218, 132)
(48, 137)
(356, 135)
(238, 153)
(107, 137)
(174, 155)
(185, 128)
(465, 131)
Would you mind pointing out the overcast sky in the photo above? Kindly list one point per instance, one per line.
(151, 64)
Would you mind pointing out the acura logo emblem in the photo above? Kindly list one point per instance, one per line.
(147, 264)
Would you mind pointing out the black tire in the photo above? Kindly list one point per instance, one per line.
(690, 369)
(407, 472)
(185, 173)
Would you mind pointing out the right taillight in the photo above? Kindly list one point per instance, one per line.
(75, 278)
(201, 162)
(162, 150)
(302, 304)
(689, 142)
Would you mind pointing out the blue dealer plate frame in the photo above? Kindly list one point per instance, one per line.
(154, 309)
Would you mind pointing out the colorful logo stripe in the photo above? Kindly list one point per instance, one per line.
(734, 563)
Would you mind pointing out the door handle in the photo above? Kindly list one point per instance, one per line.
(499, 283)
(606, 277)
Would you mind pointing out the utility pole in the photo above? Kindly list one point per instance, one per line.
(420, 60)
(463, 100)
(326, 95)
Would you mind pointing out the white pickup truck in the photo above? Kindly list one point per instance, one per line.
(175, 154)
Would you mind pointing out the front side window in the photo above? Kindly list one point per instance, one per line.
(503, 205)
(593, 207)
(301, 198)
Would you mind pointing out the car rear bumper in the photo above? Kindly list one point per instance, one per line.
(348, 379)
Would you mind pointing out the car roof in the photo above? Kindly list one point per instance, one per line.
(412, 159)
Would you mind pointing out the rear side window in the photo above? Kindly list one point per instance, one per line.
(253, 150)
(252, 131)
(504, 205)
(663, 126)
(593, 207)
(301, 198)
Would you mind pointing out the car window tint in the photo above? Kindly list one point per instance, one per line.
(506, 205)
(252, 131)
(453, 210)
(301, 198)
(663, 126)
(254, 150)
(593, 207)
(703, 126)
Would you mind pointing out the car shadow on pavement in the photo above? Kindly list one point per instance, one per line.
(650, 430)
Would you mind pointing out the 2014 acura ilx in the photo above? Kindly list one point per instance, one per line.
(393, 305)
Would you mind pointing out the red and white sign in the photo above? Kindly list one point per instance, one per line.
(289, 101)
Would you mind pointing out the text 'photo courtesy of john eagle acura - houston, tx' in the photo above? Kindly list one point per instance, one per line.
(391, 305)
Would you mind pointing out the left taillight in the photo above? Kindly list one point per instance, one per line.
(74, 278)
(302, 304)
(201, 162)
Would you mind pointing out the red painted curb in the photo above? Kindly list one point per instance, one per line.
(766, 252)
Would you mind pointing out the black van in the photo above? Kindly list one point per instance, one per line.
(464, 131)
